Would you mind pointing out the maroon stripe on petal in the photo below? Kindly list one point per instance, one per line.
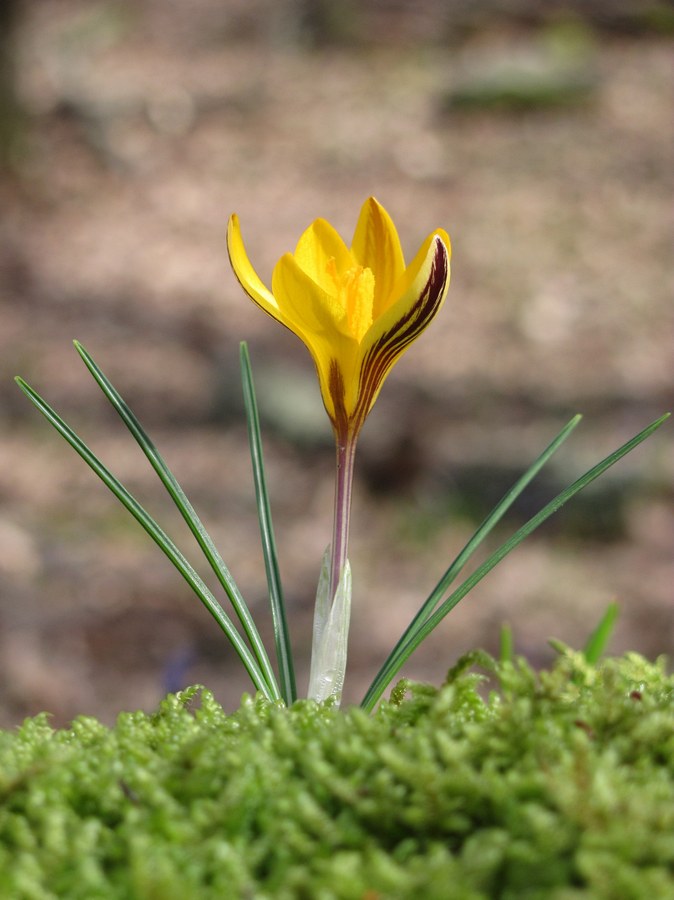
(337, 390)
(383, 354)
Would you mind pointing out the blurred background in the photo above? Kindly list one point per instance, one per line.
(539, 135)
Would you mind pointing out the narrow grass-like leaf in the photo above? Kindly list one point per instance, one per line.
(506, 653)
(188, 513)
(157, 534)
(405, 648)
(598, 640)
(281, 633)
(480, 534)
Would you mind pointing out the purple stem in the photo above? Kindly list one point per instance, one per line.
(346, 452)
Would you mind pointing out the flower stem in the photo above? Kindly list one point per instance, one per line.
(346, 452)
(333, 596)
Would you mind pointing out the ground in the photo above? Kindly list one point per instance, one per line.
(144, 128)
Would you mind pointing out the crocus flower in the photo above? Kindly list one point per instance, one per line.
(357, 309)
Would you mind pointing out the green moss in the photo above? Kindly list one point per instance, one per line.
(558, 785)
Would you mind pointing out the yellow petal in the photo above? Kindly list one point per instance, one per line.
(410, 284)
(320, 321)
(356, 310)
(376, 246)
(420, 294)
(304, 303)
(317, 248)
(246, 274)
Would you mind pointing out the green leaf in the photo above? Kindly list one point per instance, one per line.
(188, 513)
(157, 534)
(598, 640)
(507, 653)
(281, 633)
(383, 678)
(407, 645)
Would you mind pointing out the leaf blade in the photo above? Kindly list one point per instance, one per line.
(598, 640)
(477, 538)
(188, 513)
(403, 651)
(284, 653)
(154, 531)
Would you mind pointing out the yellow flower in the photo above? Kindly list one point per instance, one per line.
(357, 309)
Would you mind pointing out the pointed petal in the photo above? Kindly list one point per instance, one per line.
(306, 306)
(412, 282)
(319, 321)
(421, 292)
(319, 244)
(245, 273)
(376, 246)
